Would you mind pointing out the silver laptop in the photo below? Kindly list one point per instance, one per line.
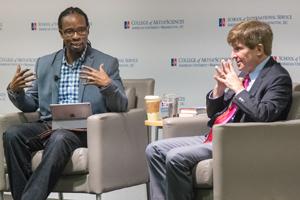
(70, 116)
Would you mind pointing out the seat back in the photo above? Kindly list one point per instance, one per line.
(142, 87)
(296, 86)
(295, 108)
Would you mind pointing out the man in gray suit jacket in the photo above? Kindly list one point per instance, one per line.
(58, 79)
(266, 98)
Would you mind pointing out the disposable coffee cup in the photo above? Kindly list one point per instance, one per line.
(152, 107)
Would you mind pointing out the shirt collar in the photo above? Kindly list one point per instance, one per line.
(253, 75)
(79, 60)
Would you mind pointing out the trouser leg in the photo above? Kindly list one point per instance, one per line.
(18, 154)
(179, 165)
(157, 157)
(57, 153)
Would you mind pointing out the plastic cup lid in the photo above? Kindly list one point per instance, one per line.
(152, 97)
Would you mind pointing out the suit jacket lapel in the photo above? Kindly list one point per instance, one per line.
(261, 76)
(240, 116)
(89, 59)
(56, 66)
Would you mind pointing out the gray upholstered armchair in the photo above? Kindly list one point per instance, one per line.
(250, 160)
(100, 167)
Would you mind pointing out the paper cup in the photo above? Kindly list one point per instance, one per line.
(152, 107)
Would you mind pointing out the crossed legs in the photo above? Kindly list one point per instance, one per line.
(58, 148)
(170, 163)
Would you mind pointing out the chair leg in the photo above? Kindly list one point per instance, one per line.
(60, 196)
(148, 190)
(1, 195)
(98, 196)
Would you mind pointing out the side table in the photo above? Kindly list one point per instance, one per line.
(156, 125)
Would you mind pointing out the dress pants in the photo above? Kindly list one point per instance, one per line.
(170, 164)
(24, 183)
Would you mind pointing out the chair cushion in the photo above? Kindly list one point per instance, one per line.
(78, 163)
(203, 174)
(131, 95)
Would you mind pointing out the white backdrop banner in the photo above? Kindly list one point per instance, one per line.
(176, 42)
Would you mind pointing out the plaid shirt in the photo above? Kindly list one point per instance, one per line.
(69, 80)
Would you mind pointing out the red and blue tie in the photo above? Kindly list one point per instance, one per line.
(228, 114)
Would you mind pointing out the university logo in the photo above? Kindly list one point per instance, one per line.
(127, 24)
(33, 26)
(222, 22)
(173, 62)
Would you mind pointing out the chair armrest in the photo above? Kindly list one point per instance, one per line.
(6, 121)
(185, 126)
(116, 150)
(256, 160)
(17, 118)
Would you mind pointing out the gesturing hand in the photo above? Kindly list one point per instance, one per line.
(229, 77)
(220, 86)
(95, 77)
(22, 79)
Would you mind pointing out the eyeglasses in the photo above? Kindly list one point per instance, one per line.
(70, 32)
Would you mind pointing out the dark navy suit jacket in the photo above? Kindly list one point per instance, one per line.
(269, 98)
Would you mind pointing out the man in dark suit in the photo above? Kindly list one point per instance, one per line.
(262, 92)
(57, 80)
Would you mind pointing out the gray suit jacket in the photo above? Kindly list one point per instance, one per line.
(45, 88)
(269, 99)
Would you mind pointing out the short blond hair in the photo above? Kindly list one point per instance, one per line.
(252, 33)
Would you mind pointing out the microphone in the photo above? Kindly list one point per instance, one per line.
(56, 77)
